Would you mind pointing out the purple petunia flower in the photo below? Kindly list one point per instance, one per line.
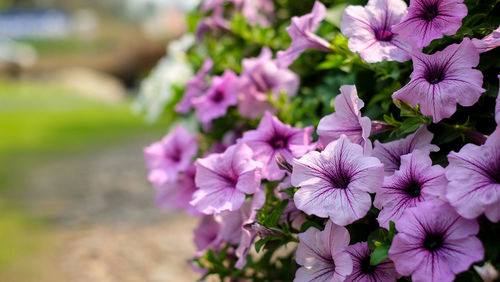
(166, 158)
(216, 100)
(434, 243)
(430, 19)
(370, 33)
(390, 153)
(273, 137)
(206, 235)
(362, 270)
(261, 77)
(474, 175)
(440, 81)
(178, 194)
(489, 42)
(248, 235)
(346, 120)
(322, 254)
(301, 30)
(335, 183)
(258, 12)
(497, 107)
(195, 87)
(417, 180)
(224, 179)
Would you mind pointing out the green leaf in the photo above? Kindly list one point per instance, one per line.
(259, 244)
(379, 254)
(392, 229)
(272, 219)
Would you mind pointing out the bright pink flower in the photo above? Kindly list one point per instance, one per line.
(417, 180)
(370, 33)
(173, 154)
(216, 100)
(434, 243)
(474, 175)
(362, 270)
(489, 42)
(301, 30)
(195, 87)
(346, 120)
(261, 77)
(335, 183)
(224, 179)
(430, 19)
(440, 81)
(390, 153)
(273, 137)
(322, 254)
(178, 194)
(248, 235)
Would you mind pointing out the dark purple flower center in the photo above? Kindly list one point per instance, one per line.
(260, 81)
(365, 266)
(435, 73)
(383, 35)
(174, 155)
(413, 189)
(278, 142)
(340, 179)
(218, 96)
(429, 10)
(433, 241)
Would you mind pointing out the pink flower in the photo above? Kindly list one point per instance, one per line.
(489, 42)
(430, 19)
(474, 175)
(417, 180)
(216, 100)
(390, 153)
(261, 77)
(335, 183)
(497, 107)
(166, 158)
(440, 81)
(273, 137)
(178, 194)
(370, 33)
(301, 30)
(346, 120)
(258, 12)
(434, 243)
(322, 254)
(216, 20)
(248, 235)
(206, 235)
(362, 270)
(195, 87)
(224, 179)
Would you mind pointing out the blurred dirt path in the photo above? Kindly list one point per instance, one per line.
(106, 225)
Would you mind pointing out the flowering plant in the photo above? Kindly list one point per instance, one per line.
(366, 149)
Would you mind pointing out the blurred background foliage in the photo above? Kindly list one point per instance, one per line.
(69, 71)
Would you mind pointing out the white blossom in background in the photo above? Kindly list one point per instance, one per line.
(156, 91)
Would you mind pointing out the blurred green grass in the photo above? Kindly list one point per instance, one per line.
(38, 122)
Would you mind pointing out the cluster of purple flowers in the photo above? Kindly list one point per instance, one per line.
(434, 208)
